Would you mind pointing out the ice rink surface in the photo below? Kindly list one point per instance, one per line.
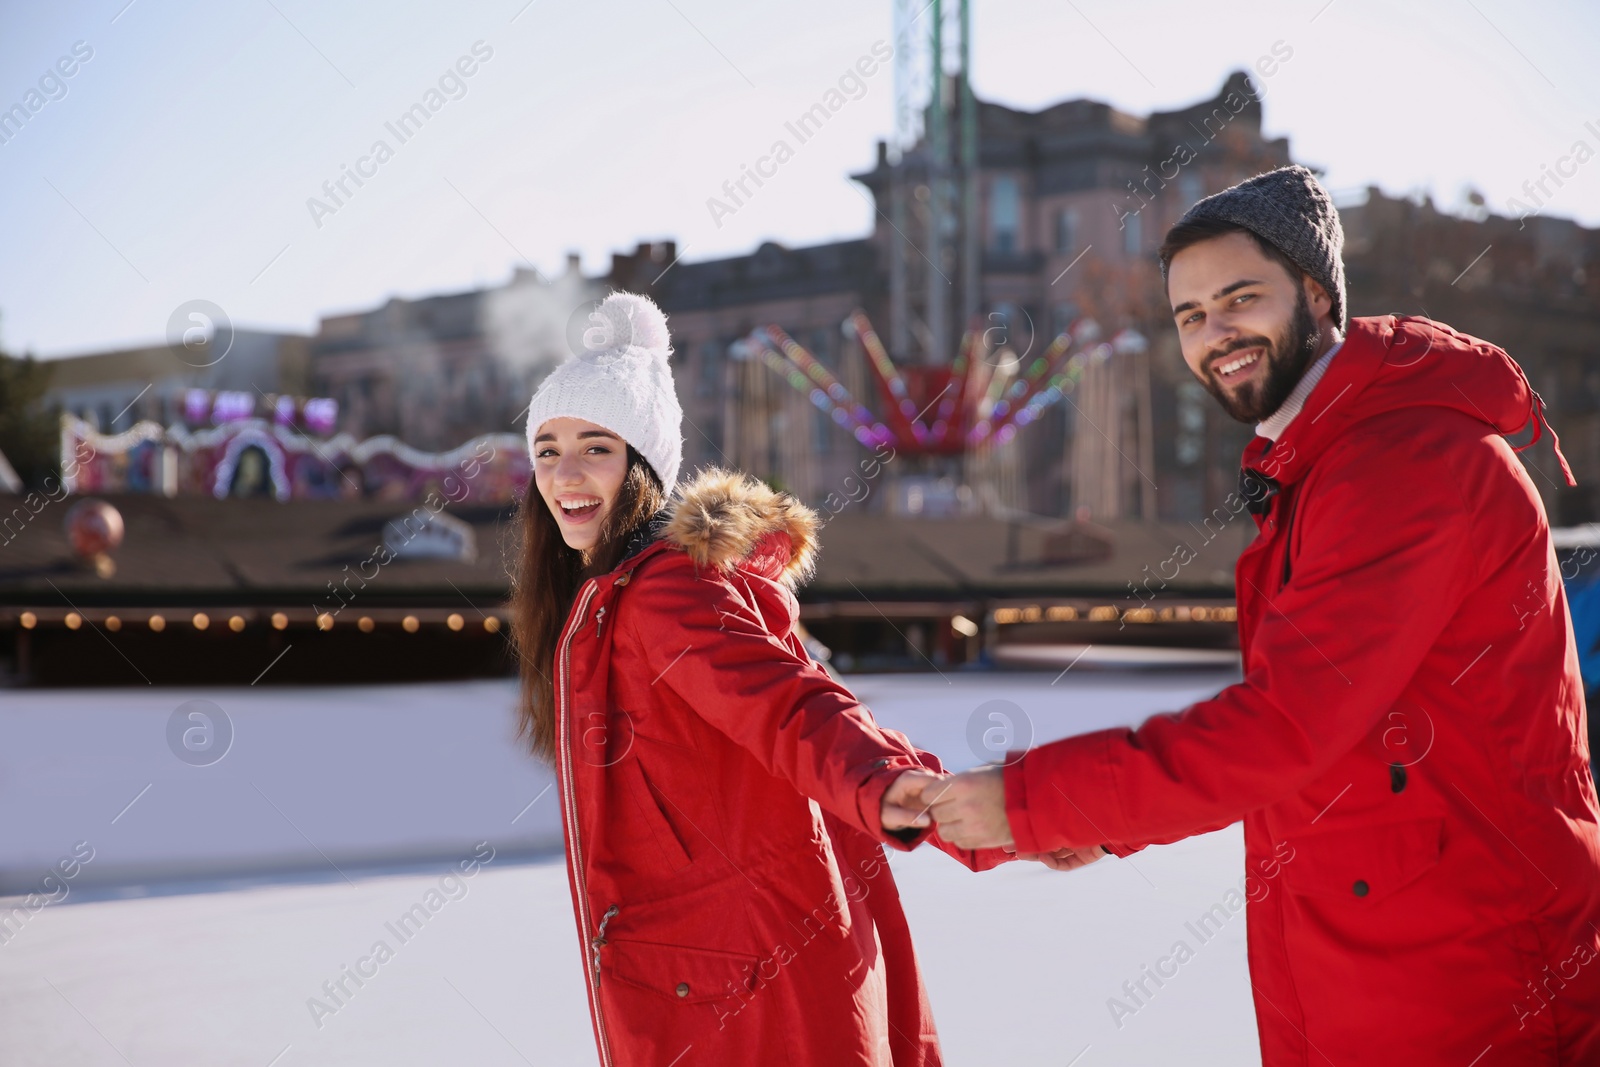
(1022, 963)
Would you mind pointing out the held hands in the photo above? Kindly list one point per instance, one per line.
(969, 808)
(970, 811)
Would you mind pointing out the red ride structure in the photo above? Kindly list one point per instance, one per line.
(985, 396)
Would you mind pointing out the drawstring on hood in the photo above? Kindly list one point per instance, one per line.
(1541, 422)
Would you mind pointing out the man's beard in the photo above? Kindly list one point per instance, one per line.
(1287, 359)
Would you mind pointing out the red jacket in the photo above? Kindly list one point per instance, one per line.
(723, 916)
(1407, 747)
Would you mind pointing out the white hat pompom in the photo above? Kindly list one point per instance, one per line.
(630, 320)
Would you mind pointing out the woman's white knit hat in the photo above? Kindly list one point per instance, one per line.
(620, 381)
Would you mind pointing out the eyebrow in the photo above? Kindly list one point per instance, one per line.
(1218, 295)
(581, 435)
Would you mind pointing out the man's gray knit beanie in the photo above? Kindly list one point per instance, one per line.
(1288, 208)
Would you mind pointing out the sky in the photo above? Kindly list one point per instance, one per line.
(185, 155)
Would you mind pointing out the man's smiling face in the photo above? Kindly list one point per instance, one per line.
(1247, 327)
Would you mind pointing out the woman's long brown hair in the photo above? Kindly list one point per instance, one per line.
(547, 577)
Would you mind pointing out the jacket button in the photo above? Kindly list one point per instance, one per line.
(1397, 778)
(683, 989)
(880, 763)
(1360, 890)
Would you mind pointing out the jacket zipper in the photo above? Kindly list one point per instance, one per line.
(569, 807)
(1288, 529)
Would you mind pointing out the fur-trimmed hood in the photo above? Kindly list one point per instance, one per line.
(720, 517)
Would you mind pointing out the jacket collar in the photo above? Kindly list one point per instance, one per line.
(644, 535)
(724, 520)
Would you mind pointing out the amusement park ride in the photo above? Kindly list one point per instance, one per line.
(942, 399)
(984, 397)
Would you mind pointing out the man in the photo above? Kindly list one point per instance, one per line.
(1407, 747)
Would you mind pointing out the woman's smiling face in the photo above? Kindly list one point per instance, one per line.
(578, 468)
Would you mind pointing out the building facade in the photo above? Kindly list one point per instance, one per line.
(1070, 205)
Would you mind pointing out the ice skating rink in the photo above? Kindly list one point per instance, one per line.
(225, 901)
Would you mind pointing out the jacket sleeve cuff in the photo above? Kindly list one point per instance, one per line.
(869, 803)
(1043, 815)
(1018, 815)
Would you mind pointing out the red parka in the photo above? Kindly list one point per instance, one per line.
(1407, 747)
(720, 802)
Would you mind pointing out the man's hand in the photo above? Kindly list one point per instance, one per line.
(970, 809)
(1065, 859)
(904, 807)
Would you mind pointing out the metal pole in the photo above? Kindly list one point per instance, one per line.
(970, 294)
(938, 199)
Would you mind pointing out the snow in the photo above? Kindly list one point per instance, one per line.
(1020, 962)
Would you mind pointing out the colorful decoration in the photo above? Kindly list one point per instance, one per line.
(828, 393)
(977, 400)
(254, 457)
(204, 406)
(94, 530)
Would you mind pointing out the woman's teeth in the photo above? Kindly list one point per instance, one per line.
(579, 509)
(1235, 365)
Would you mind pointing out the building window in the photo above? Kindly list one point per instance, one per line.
(1066, 231)
(821, 432)
(1190, 189)
(1131, 242)
(819, 344)
(711, 366)
(1062, 316)
(1005, 211)
(1190, 440)
(1003, 328)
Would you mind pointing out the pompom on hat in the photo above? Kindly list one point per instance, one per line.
(620, 381)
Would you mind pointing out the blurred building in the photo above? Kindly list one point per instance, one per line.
(114, 390)
(437, 371)
(1530, 286)
(1068, 205)
(1071, 203)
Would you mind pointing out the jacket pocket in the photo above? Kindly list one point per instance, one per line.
(680, 972)
(646, 805)
(1366, 863)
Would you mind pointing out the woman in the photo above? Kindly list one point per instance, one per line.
(723, 800)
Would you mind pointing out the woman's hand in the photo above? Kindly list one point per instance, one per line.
(904, 807)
